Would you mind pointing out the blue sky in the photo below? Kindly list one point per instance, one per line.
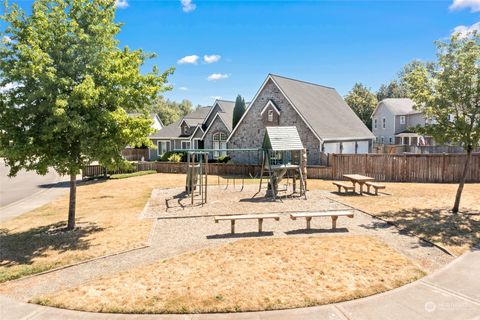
(334, 43)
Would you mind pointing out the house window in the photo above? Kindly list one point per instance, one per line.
(383, 140)
(219, 142)
(270, 115)
(185, 129)
(402, 119)
(375, 123)
(185, 145)
(162, 147)
(384, 123)
(390, 140)
(376, 139)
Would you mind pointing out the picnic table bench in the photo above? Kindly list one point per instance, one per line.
(259, 217)
(358, 178)
(374, 185)
(345, 186)
(333, 214)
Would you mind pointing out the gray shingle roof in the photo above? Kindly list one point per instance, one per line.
(323, 109)
(282, 139)
(399, 106)
(173, 130)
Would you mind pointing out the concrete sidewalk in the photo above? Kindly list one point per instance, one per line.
(450, 293)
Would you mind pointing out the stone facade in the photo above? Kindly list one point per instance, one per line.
(216, 126)
(251, 130)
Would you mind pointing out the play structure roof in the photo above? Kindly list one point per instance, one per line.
(282, 139)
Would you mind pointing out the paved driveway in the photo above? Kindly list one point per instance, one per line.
(23, 185)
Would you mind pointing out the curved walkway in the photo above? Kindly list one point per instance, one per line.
(452, 292)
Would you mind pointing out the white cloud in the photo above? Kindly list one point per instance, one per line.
(187, 5)
(193, 59)
(474, 5)
(217, 76)
(211, 58)
(183, 88)
(121, 4)
(464, 31)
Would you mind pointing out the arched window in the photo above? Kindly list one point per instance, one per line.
(270, 115)
(219, 142)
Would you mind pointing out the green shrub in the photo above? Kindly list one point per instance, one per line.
(133, 174)
(167, 155)
(175, 157)
(223, 159)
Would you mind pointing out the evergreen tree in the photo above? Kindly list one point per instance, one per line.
(238, 110)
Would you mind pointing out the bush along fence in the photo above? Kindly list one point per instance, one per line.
(382, 167)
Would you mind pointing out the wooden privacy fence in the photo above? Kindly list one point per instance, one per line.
(406, 167)
(382, 167)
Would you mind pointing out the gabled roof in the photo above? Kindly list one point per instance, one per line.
(282, 139)
(220, 115)
(272, 104)
(397, 106)
(174, 131)
(322, 109)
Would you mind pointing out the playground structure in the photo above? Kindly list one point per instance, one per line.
(283, 157)
(197, 176)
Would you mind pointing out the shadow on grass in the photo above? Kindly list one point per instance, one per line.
(313, 231)
(437, 225)
(23, 247)
(240, 235)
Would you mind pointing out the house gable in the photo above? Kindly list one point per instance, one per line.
(250, 130)
(217, 125)
(270, 114)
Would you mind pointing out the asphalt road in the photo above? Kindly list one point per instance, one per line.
(23, 185)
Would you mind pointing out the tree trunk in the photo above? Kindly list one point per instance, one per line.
(456, 206)
(72, 203)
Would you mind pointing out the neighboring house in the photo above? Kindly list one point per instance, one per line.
(323, 119)
(142, 153)
(393, 119)
(204, 128)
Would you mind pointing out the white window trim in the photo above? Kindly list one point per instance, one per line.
(270, 115)
(384, 123)
(189, 145)
(375, 123)
(270, 104)
(403, 119)
(159, 144)
(217, 154)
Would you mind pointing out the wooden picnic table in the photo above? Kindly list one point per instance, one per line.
(358, 178)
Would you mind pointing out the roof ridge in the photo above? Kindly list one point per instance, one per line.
(307, 82)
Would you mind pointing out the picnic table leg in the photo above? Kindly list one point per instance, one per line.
(260, 224)
(232, 226)
(354, 186)
(309, 219)
(361, 187)
(334, 222)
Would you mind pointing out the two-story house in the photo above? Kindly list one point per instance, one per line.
(393, 119)
(204, 128)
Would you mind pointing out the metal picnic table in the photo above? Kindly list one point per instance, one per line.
(358, 178)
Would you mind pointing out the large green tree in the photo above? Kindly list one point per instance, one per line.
(170, 111)
(238, 110)
(363, 102)
(448, 91)
(397, 88)
(70, 87)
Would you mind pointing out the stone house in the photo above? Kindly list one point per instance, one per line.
(204, 128)
(325, 123)
(393, 120)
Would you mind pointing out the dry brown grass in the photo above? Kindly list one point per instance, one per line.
(107, 213)
(247, 275)
(423, 209)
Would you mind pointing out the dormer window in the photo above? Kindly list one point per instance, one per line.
(185, 129)
(270, 115)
